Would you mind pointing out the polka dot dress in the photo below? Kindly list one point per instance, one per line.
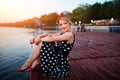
(54, 62)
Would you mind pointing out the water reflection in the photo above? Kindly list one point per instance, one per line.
(14, 50)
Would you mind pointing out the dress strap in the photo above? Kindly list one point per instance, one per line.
(61, 33)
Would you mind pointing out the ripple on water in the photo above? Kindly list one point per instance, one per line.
(14, 50)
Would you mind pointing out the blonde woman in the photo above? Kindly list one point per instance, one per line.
(52, 50)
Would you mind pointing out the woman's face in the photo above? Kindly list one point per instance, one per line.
(64, 25)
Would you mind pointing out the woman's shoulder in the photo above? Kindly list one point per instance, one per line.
(70, 36)
(69, 33)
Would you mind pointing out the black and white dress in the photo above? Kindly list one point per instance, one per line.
(54, 61)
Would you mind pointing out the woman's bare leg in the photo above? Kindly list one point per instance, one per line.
(36, 62)
(34, 55)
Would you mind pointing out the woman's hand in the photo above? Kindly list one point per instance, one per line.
(32, 40)
(37, 40)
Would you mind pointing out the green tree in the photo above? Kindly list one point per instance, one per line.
(86, 18)
(43, 19)
(106, 10)
(77, 14)
(94, 11)
(116, 9)
(49, 19)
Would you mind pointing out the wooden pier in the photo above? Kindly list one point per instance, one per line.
(95, 56)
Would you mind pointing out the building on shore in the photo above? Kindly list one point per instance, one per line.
(106, 22)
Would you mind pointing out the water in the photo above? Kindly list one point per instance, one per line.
(14, 50)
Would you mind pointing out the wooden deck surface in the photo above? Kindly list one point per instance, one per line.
(95, 56)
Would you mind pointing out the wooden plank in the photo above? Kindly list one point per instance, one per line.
(98, 60)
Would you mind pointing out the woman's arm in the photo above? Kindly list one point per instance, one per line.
(42, 35)
(66, 36)
(46, 34)
(54, 34)
(37, 40)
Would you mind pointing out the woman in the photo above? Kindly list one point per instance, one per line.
(54, 49)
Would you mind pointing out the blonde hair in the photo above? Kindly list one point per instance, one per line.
(66, 18)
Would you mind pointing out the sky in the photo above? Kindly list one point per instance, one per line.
(17, 10)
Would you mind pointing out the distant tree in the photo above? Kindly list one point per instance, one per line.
(110, 10)
(49, 19)
(94, 11)
(107, 10)
(43, 18)
(77, 14)
(116, 9)
(85, 18)
(52, 18)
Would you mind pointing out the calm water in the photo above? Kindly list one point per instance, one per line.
(14, 50)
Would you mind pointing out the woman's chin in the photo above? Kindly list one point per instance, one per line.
(64, 30)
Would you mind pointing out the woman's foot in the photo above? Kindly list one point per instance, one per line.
(25, 66)
(21, 70)
(36, 64)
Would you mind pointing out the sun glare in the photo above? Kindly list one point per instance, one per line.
(8, 4)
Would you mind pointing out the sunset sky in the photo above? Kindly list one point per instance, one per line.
(16, 10)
